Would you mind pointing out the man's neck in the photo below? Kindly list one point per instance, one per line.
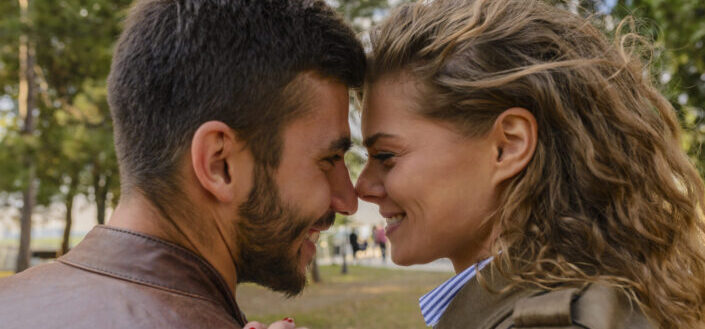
(137, 213)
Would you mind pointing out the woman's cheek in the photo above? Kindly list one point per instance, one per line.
(394, 183)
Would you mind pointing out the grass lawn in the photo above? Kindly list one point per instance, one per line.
(369, 298)
(42, 243)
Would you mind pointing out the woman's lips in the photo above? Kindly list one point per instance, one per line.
(308, 247)
(393, 222)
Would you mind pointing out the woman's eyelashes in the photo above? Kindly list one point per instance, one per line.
(386, 158)
(382, 156)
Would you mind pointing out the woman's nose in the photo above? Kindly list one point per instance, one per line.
(369, 187)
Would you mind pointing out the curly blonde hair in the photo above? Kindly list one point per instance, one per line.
(609, 195)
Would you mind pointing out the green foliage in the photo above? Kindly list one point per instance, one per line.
(9, 43)
(74, 40)
(362, 14)
(72, 144)
(678, 29)
(13, 146)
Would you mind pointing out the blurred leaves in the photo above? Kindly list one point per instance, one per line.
(73, 41)
(677, 28)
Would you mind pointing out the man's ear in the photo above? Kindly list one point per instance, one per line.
(515, 137)
(214, 149)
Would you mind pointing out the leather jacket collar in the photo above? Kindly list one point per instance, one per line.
(153, 262)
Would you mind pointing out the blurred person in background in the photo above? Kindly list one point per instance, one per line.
(380, 240)
(514, 139)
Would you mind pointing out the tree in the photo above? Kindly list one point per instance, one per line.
(678, 28)
(26, 105)
(72, 75)
(66, 141)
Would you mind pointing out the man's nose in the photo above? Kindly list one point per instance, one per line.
(369, 188)
(343, 196)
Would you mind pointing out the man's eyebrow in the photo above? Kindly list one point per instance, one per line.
(369, 141)
(340, 144)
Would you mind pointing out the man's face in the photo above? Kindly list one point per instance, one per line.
(288, 207)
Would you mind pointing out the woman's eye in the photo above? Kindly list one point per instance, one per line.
(382, 156)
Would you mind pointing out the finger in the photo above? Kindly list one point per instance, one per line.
(287, 323)
(254, 325)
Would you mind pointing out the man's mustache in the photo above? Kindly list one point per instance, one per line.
(326, 220)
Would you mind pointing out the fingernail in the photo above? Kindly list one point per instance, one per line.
(290, 320)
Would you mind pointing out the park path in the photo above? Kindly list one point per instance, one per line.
(440, 265)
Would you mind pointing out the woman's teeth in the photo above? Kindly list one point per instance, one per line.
(395, 219)
(313, 236)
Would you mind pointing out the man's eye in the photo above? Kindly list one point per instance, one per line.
(333, 159)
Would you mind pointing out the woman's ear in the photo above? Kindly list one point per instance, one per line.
(515, 136)
(214, 156)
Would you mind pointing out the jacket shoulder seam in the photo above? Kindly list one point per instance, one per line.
(104, 271)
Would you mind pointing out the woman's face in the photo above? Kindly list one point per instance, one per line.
(432, 184)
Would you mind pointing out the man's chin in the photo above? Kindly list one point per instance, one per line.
(290, 286)
(281, 274)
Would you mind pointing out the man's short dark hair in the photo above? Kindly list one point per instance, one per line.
(180, 63)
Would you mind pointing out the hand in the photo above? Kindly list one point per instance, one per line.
(287, 323)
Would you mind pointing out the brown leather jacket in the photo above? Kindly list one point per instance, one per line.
(119, 279)
(596, 306)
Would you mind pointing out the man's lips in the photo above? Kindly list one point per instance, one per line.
(322, 224)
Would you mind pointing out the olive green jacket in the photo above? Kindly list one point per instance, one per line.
(596, 306)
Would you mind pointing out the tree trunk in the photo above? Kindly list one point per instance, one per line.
(344, 248)
(101, 199)
(26, 106)
(67, 227)
(24, 254)
(69, 215)
(315, 274)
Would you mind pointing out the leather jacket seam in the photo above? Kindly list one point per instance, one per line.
(230, 304)
(99, 270)
(177, 250)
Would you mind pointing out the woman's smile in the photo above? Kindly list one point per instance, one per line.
(392, 223)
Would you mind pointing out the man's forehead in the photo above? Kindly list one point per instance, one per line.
(324, 132)
(323, 124)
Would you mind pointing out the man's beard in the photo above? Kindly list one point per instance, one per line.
(265, 236)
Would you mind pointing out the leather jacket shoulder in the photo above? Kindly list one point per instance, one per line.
(119, 279)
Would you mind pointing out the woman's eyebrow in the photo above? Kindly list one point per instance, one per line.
(369, 141)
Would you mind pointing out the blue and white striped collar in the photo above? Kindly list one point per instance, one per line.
(434, 303)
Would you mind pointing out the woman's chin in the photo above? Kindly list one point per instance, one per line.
(404, 259)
